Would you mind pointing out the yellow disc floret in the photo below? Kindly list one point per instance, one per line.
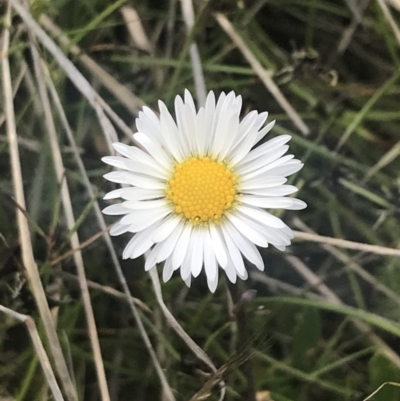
(202, 189)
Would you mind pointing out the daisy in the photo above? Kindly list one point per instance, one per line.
(196, 190)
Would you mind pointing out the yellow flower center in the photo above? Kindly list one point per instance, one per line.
(202, 189)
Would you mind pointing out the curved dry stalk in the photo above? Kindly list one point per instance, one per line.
(23, 227)
(178, 328)
(40, 351)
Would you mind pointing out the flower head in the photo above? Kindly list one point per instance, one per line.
(196, 194)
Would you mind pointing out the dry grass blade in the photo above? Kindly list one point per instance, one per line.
(341, 243)
(72, 72)
(350, 264)
(136, 30)
(122, 93)
(188, 16)
(176, 326)
(386, 159)
(107, 239)
(25, 240)
(103, 227)
(262, 73)
(389, 18)
(40, 351)
(69, 214)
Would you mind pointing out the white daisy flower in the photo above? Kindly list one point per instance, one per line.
(196, 195)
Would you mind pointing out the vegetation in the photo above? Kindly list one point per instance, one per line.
(322, 321)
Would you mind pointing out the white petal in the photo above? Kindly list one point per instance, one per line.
(138, 155)
(261, 182)
(116, 210)
(186, 268)
(245, 276)
(246, 125)
(135, 179)
(149, 124)
(225, 134)
(230, 137)
(181, 247)
(233, 252)
(180, 114)
(238, 153)
(273, 203)
(262, 162)
(262, 216)
(274, 236)
(264, 131)
(135, 166)
(247, 248)
(218, 245)
(201, 132)
(171, 134)
(261, 118)
(213, 283)
(151, 261)
(141, 194)
(267, 147)
(230, 270)
(188, 281)
(168, 270)
(293, 166)
(118, 229)
(116, 176)
(210, 110)
(210, 262)
(154, 148)
(139, 243)
(268, 168)
(147, 204)
(141, 219)
(166, 227)
(116, 193)
(281, 190)
(198, 251)
(248, 231)
(167, 247)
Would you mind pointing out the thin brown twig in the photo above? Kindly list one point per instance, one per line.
(82, 245)
(109, 290)
(23, 227)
